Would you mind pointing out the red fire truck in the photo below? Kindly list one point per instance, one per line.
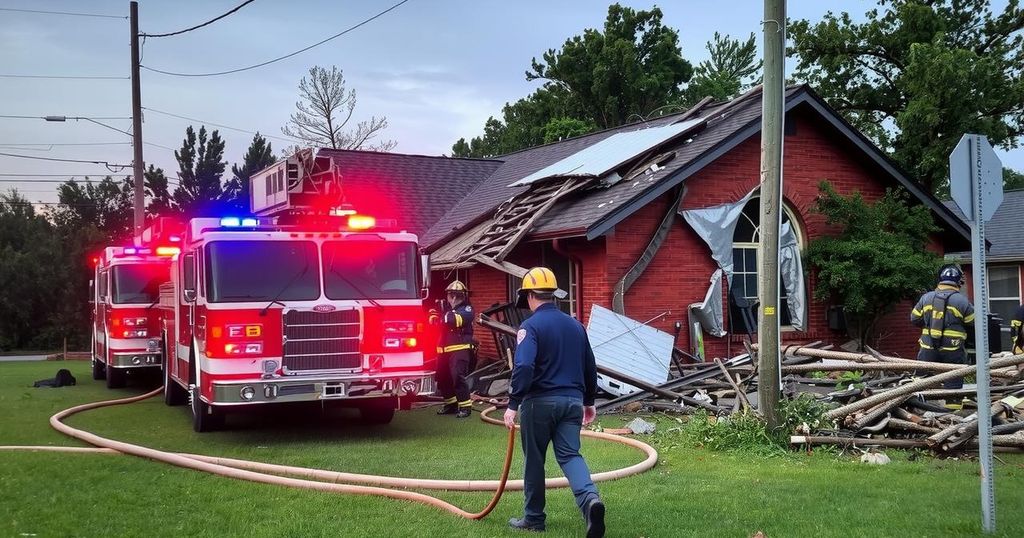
(125, 288)
(298, 303)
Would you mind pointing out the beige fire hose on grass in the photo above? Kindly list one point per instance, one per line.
(332, 481)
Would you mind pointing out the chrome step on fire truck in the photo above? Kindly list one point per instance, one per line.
(301, 302)
(125, 288)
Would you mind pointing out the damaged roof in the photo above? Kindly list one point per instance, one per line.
(593, 212)
(1003, 232)
(416, 190)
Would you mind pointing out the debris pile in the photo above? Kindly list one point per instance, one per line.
(874, 400)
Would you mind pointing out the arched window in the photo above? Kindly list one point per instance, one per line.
(745, 263)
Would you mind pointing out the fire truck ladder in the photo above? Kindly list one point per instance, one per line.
(513, 220)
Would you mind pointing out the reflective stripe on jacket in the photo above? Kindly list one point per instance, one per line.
(943, 315)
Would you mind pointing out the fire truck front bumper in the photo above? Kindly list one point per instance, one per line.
(135, 359)
(320, 387)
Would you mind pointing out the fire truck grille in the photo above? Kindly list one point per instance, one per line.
(321, 340)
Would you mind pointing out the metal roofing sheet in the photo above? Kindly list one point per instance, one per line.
(610, 153)
(628, 346)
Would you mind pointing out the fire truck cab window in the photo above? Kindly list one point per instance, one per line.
(370, 269)
(136, 284)
(260, 271)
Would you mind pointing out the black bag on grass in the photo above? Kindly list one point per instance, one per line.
(63, 379)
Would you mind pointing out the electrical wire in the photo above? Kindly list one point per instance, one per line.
(198, 26)
(291, 140)
(45, 175)
(73, 77)
(286, 56)
(104, 163)
(54, 144)
(63, 13)
(90, 118)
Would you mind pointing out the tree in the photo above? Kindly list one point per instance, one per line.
(30, 265)
(1012, 179)
(156, 184)
(259, 156)
(878, 258)
(730, 70)
(200, 167)
(107, 205)
(632, 68)
(326, 108)
(598, 80)
(917, 74)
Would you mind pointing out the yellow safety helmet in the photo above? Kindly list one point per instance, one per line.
(537, 279)
(457, 286)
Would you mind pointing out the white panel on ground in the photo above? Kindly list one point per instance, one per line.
(628, 346)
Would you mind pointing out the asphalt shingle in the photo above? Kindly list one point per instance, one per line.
(1005, 232)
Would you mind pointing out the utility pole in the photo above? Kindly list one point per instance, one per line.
(772, 118)
(139, 166)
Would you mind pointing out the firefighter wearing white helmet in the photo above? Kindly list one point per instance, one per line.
(455, 350)
(554, 382)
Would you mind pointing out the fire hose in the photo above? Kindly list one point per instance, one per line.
(332, 481)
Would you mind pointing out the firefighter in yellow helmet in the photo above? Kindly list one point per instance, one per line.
(554, 382)
(455, 350)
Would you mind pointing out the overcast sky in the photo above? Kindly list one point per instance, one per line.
(437, 69)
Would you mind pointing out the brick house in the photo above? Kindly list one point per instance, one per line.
(603, 211)
(1005, 259)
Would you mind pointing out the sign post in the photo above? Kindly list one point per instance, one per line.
(976, 185)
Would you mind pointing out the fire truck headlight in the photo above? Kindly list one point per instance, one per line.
(247, 393)
(254, 347)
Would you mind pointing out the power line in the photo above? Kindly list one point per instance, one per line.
(104, 163)
(291, 140)
(268, 62)
(52, 175)
(63, 13)
(90, 177)
(53, 144)
(198, 26)
(73, 77)
(90, 118)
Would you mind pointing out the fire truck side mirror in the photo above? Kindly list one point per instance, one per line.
(188, 269)
(425, 271)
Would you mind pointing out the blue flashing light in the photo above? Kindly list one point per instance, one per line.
(230, 222)
(251, 222)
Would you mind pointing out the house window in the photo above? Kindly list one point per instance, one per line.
(1004, 296)
(566, 272)
(745, 260)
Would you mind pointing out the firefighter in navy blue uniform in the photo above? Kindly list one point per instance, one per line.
(554, 382)
(455, 350)
(943, 315)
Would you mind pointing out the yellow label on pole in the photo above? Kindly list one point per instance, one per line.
(769, 310)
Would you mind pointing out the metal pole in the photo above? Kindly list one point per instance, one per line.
(139, 166)
(988, 505)
(772, 118)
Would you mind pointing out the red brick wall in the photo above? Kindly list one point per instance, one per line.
(679, 273)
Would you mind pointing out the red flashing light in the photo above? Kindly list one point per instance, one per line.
(361, 222)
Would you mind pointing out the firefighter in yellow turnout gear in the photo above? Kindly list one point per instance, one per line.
(1017, 331)
(455, 350)
(943, 315)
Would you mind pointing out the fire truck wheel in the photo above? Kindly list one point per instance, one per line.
(378, 411)
(205, 418)
(99, 370)
(115, 378)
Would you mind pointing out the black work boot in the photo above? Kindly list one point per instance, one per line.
(448, 409)
(593, 514)
(523, 525)
(463, 412)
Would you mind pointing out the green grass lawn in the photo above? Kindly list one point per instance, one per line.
(692, 492)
